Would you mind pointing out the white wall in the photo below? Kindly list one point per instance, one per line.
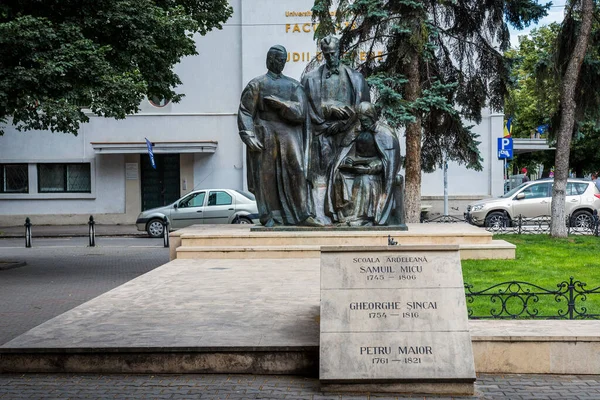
(212, 82)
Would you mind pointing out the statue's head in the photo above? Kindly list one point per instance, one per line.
(276, 58)
(367, 115)
(330, 47)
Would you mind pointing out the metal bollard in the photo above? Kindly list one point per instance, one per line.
(166, 231)
(92, 231)
(27, 232)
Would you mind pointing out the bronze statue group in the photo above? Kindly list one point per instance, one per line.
(323, 129)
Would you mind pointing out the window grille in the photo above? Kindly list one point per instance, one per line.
(14, 179)
(64, 178)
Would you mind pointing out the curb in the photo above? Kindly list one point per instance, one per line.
(68, 235)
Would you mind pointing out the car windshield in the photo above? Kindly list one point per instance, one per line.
(247, 195)
(515, 190)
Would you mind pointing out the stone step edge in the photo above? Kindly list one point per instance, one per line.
(302, 360)
(238, 235)
(496, 244)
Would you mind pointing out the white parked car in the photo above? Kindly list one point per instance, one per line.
(206, 206)
(532, 200)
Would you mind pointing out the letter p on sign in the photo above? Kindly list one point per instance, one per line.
(505, 148)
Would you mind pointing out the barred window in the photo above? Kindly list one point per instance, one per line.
(61, 178)
(14, 178)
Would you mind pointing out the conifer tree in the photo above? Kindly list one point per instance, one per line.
(441, 64)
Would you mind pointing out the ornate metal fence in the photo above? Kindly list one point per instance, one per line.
(541, 224)
(524, 300)
(444, 219)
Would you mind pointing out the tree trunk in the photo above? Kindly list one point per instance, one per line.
(412, 190)
(567, 121)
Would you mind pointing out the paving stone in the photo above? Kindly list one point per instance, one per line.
(44, 386)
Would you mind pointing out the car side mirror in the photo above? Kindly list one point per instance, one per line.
(520, 196)
(175, 206)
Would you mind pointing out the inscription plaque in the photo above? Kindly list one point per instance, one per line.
(394, 315)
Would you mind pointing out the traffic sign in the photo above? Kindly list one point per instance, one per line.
(505, 148)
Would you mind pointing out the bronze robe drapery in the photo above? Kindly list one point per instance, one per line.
(326, 150)
(277, 174)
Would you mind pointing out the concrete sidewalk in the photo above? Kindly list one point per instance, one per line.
(40, 231)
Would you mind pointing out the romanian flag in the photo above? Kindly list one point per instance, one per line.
(508, 127)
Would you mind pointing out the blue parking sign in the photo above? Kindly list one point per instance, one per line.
(505, 148)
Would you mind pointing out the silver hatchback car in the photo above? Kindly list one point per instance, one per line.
(533, 199)
(207, 206)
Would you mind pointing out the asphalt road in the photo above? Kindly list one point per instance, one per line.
(63, 273)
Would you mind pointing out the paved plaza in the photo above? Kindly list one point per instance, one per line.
(147, 387)
(63, 273)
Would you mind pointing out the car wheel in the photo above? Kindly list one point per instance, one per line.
(155, 228)
(582, 219)
(495, 220)
(243, 220)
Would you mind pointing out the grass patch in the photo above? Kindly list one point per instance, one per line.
(543, 261)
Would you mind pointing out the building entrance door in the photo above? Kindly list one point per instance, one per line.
(160, 186)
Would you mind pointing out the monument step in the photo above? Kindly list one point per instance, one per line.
(243, 235)
(376, 240)
(498, 249)
(331, 238)
(254, 252)
(499, 347)
(252, 316)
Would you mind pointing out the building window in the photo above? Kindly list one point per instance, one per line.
(64, 178)
(14, 178)
(157, 101)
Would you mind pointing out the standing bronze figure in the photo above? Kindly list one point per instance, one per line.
(334, 91)
(273, 123)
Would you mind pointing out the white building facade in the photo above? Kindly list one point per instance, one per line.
(104, 171)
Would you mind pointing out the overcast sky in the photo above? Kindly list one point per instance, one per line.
(555, 14)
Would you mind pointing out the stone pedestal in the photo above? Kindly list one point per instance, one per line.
(394, 319)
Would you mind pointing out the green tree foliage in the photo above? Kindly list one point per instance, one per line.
(584, 155)
(558, 82)
(59, 55)
(442, 63)
(533, 100)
